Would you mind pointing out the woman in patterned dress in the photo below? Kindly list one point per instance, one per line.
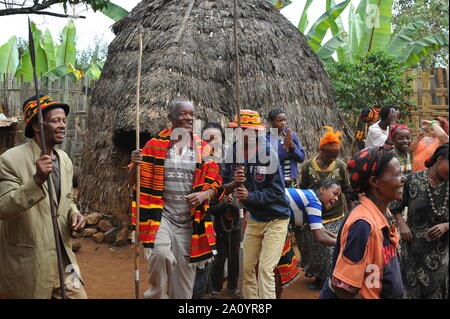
(424, 259)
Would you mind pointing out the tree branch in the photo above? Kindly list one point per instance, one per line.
(37, 9)
(32, 11)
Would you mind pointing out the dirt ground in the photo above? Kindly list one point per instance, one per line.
(108, 273)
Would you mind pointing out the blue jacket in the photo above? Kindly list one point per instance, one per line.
(296, 155)
(266, 199)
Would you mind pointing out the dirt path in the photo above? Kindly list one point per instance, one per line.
(108, 272)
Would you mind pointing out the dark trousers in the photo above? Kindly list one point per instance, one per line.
(227, 245)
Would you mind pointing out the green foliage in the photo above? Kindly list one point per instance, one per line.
(114, 11)
(280, 4)
(52, 60)
(92, 59)
(92, 55)
(375, 79)
(94, 4)
(95, 70)
(9, 56)
(320, 27)
(369, 29)
(303, 23)
(66, 51)
(435, 18)
(26, 69)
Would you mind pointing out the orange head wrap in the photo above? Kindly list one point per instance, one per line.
(330, 137)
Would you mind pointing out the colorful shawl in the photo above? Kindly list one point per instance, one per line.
(287, 266)
(152, 201)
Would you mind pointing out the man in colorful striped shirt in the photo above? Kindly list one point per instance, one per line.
(176, 187)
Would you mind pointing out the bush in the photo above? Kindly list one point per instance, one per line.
(375, 79)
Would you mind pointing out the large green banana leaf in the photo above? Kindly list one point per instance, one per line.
(337, 27)
(321, 26)
(376, 27)
(327, 50)
(9, 56)
(66, 51)
(94, 71)
(352, 47)
(419, 49)
(114, 11)
(49, 49)
(403, 38)
(26, 69)
(303, 23)
(63, 70)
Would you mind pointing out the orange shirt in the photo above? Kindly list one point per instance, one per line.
(423, 151)
(366, 274)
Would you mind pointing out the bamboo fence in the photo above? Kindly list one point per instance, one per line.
(430, 95)
(13, 92)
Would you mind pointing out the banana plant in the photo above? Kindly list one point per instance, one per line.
(49, 49)
(95, 70)
(303, 23)
(25, 68)
(52, 61)
(66, 51)
(338, 30)
(114, 11)
(9, 56)
(319, 29)
(376, 16)
(326, 51)
(64, 55)
(369, 29)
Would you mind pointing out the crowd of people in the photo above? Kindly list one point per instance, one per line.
(219, 208)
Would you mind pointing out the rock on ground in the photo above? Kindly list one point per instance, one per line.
(105, 225)
(98, 237)
(88, 232)
(122, 237)
(110, 235)
(93, 218)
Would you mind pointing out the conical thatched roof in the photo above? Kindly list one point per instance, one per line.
(278, 70)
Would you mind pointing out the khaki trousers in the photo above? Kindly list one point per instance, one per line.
(73, 285)
(171, 276)
(263, 243)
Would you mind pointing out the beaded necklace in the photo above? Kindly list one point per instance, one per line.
(433, 207)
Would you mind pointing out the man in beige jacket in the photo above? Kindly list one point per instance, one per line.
(28, 262)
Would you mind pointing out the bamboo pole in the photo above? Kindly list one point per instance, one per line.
(49, 177)
(238, 116)
(138, 176)
(236, 72)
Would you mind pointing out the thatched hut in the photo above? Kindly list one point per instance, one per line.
(195, 61)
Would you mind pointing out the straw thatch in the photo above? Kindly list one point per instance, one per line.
(278, 70)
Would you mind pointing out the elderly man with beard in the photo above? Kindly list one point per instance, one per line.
(178, 180)
(28, 261)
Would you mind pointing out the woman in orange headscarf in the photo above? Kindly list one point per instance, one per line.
(316, 258)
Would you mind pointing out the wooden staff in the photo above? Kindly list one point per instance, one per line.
(238, 115)
(49, 177)
(236, 53)
(138, 175)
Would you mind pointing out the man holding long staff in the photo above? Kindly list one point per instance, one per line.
(37, 211)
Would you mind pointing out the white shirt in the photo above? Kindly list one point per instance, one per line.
(376, 136)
